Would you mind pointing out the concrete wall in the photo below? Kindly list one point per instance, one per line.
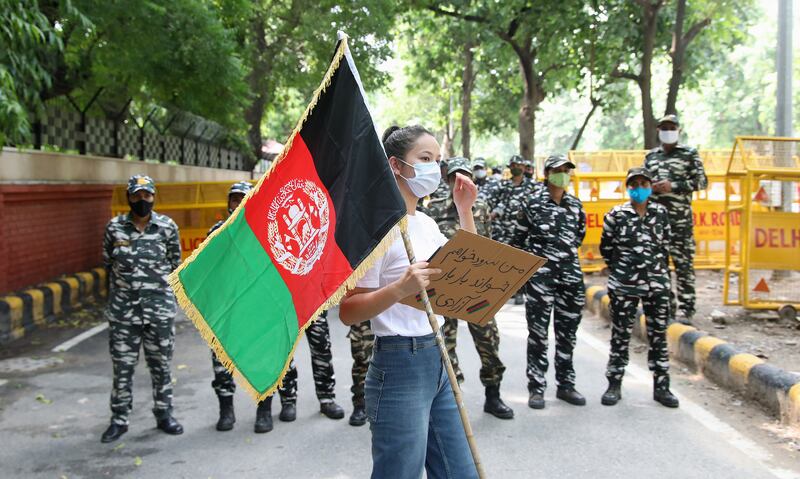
(54, 208)
(50, 230)
(42, 167)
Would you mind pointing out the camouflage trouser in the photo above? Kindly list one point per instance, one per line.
(565, 301)
(487, 342)
(132, 325)
(319, 342)
(623, 315)
(681, 250)
(223, 383)
(361, 341)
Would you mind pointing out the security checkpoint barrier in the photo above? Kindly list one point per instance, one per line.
(599, 181)
(194, 207)
(762, 265)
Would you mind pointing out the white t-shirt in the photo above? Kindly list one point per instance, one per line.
(400, 319)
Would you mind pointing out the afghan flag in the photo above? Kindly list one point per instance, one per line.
(312, 226)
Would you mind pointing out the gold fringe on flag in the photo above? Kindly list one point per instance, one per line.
(197, 317)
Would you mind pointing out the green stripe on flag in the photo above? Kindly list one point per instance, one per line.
(258, 341)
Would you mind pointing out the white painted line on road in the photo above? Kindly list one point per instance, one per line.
(70, 343)
(699, 414)
(3, 382)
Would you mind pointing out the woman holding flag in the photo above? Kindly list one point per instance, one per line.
(413, 416)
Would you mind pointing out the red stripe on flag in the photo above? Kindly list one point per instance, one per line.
(293, 217)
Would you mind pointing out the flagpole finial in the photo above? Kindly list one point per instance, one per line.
(341, 35)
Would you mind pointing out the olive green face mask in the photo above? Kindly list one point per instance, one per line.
(559, 179)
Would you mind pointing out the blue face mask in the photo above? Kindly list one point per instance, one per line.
(639, 195)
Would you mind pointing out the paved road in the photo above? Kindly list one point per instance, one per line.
(57, 435)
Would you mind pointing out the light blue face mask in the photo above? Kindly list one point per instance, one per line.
(426, 179)
(639, 195)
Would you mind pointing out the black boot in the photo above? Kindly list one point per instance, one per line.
(495, 406)
(288, 412)
(662, 394)
(226, 416)
(613, 394)
(114, 432)
(264, 416)
(331, 410)
(570, 395)
(359, 416)
(170, 426)
(536, 400)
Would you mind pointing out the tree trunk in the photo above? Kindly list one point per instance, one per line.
(677, 55)
(680, 42)
(579, 135)
(467, 84)
(252, 116)
(531, 97)
(449, 131)
(650, 17)
(256, 79)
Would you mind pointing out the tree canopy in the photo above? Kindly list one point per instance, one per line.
(535, 77)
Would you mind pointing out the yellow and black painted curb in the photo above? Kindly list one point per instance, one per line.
(26, 310)
(776, 389)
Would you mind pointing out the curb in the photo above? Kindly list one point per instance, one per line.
(29, 309)
(723, 363)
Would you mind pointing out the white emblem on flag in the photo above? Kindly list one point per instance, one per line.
(297, 226)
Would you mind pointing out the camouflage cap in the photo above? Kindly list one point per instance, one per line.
(443, 162)
(141, 182)
(459, 163)
(516, 159)
(638, 171)
(554, 161)
(669, 119)
(241, 187)
(479, 163)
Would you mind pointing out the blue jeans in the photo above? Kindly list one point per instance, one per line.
(412, 413)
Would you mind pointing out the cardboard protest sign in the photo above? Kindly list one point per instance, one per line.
(478, 276)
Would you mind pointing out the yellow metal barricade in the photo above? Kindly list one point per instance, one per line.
(600, 184)
(194, 207)
(762, 267)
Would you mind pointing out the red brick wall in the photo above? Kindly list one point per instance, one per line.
(50, 230)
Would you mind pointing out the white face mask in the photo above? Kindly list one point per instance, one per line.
(480, 174)
(668, 137)
(426, 180)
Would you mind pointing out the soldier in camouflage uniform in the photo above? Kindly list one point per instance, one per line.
(508, 199)
(552, 224)
(140, 249)
(486, 338)
(530, 170)
(318, 336)
(635, 245)
(677, 173)
(487, 185)
(361, 341)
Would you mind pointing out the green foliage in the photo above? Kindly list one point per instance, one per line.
(174, 53)
(287, 46)
(25, 36)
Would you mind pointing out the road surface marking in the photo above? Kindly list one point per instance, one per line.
(70, 343)
(699, 414)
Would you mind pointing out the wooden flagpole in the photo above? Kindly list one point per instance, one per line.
(462, 410)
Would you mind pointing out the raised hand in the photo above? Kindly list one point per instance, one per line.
(464, 193)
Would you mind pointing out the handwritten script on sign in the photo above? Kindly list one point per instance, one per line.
(478, 276)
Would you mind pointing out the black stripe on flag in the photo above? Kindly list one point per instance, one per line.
(352, 165)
